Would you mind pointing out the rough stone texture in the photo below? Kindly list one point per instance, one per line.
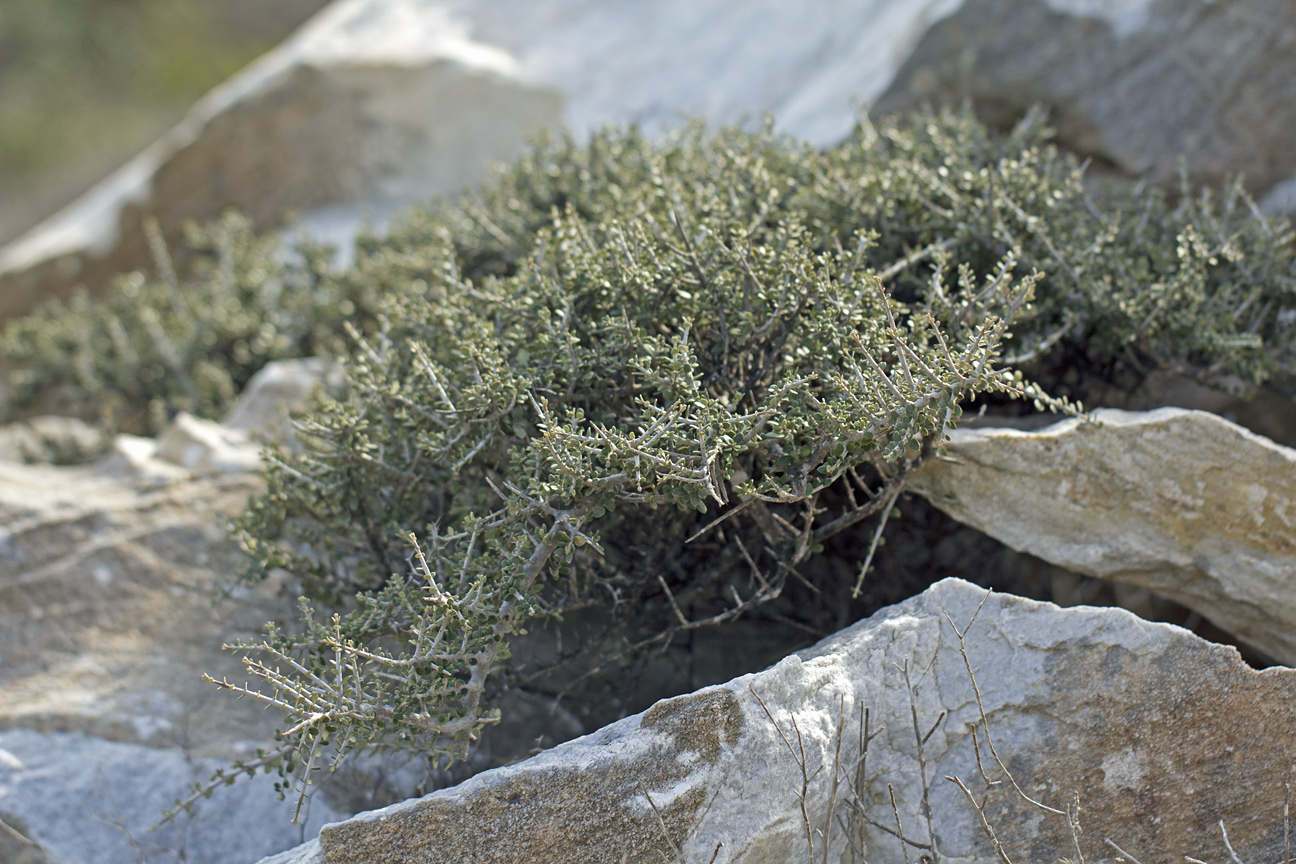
(106, 623)
(1159, 733)
(206, 447)
(1183, 503)
(1134, 84)
(106, 608)
(368, 102)
(89, 801)
(110, 575)
(262, 410)
(375, 103)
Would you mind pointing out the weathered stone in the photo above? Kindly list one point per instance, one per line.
(106, 608)
(106, 623)
(1160, 734)
(89, 801)
(50, 438)
(376, 103)
(1135, 84)
(368, 102)
(1183, 503)
(262, 411)
(205, 447)
(108, 577)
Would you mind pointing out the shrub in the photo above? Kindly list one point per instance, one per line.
(661, 376)
(656, 377)
(152, 347)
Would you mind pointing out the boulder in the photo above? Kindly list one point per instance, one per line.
(1160, 737)
(106, 606)
(81, 800)
(206, 447)
(108, 621)
(117, 592)
(376, 103)
(1184, 503)
(262, 411)
(369, 101)
(1136, 85)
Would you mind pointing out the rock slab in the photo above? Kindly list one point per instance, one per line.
(1136, 84)
(1160, 735)
(83, 800)
(1184, 503)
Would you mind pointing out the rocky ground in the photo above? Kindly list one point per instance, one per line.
(109, 568)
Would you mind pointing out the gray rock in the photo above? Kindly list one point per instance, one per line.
(1135, 84)
(205, 447)
(107, 621)
(377, 103)
(53, 439)
(369, 101)
(262, 411)
(106, 609)
(88, 801)
(1160, 734)
(1184, 503)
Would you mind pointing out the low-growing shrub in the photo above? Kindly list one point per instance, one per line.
(154, 346)
(654, 377)
(661, 376)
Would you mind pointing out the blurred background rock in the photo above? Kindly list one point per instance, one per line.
(86, 84)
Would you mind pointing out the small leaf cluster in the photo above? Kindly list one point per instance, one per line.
(154, 346)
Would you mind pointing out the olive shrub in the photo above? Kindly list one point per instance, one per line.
(655, 377)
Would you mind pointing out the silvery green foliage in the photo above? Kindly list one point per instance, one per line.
(698, 346)
(578, 368)
(154, 346)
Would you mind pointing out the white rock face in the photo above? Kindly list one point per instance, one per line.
(377, 103)
(106, 625)
(89, 801)
(205, 447)
(367, 102)
(1184, 503)
(262, 410)
(1159, 733)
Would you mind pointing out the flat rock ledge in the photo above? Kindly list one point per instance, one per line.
(1184, 503)
(1158, 734)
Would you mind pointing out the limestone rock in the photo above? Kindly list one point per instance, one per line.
(87, 801)
(377, 103)
(54, 439)
(1160, 734)
(206, 447)
(1135, 84)
(116, 594)
(1184, 503)
(262, 410)
(368, 102)
(106, 623)
(106, 608)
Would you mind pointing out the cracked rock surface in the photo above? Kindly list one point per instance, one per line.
(1183, 503)
(1160, 735)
